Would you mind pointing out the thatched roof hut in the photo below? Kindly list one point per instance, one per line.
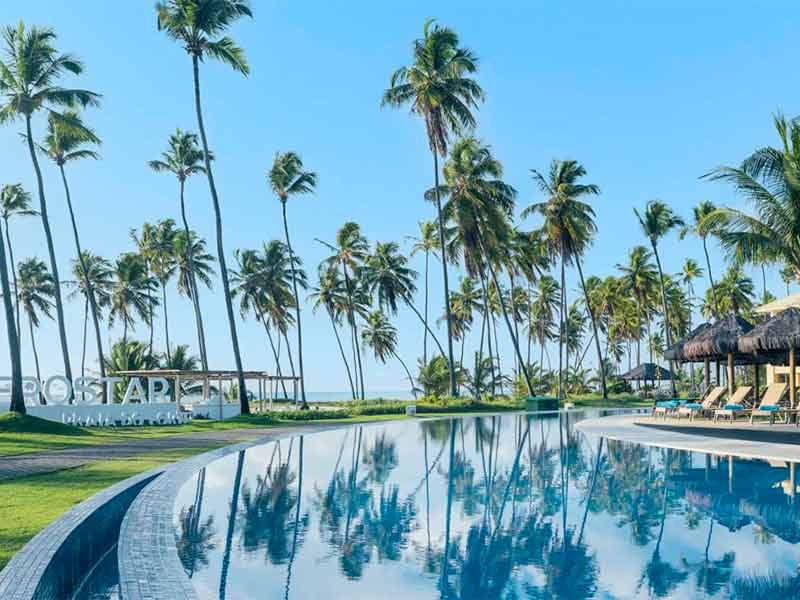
(779, 334)
(648, 372)
(675, 352)
(719, 340)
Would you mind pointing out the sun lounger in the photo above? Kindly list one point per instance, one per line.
(666, 407)
(771, 403)
(735, 405)
(709, 403)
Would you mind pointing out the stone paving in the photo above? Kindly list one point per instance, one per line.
(764, 441)
(37, 463)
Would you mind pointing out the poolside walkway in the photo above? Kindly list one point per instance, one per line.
(37, 463)
(764, 441)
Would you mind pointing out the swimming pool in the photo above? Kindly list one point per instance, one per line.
(516, 506)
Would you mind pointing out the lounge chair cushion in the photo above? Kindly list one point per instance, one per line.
(733, 407)
(693, 405)
(667, 404)
(769, 407)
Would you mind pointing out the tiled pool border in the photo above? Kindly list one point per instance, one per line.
(56, 560)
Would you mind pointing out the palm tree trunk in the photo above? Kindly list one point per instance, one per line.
(488, 313)
(223, 269)
(296, 309)
(62, 332)
(198, 315)
(274, 351)
(514, 313)
(427, 328)
(711, 278)
(166, 318)
(561, 330)
(289, 353)
(35, 355)
(152, 311)
(17, 399)
(354, 326)
(425, 321)
(85, 331)
(667, 332)
(594, 329)
(353, 344)
(408, 374)
(443, 246)
(13, 274)
(341, 351)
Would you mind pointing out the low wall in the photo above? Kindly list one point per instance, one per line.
(57, 560)
(128, 414)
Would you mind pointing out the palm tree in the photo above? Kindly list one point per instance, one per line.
(36, 288)
(568, 230)
(146, 245)
(331, 295)
(287, 179)
(198, 25)
(380, 335)
(194, 264)
(657, 221)
(183, 158)
(427, 242)
(14, 202)
(98, 272)
(438, 86)
(163, 264)
(702, 227)
(29, 78)
(64, 143)
(132, 292)
(480, 204)
(639, 278)
(181, 359)
(543, 305)
(768, 180)
(17, 399)
(465, 303)
(735, 292)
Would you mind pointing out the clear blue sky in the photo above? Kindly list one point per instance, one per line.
(648, 96)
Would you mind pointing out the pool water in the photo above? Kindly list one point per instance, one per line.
(510, 507)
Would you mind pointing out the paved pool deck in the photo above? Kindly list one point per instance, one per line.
(760, 440)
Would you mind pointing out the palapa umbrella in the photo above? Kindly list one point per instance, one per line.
(776, 337)
(718, 341)
(648, 372)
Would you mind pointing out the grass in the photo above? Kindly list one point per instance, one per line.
(29, 504)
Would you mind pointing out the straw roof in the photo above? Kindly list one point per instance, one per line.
(778, 334)
(648, 372)
(675, 352)
(717, 340)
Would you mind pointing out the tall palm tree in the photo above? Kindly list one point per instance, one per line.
(438, 87)
(194, 264)
(702, 227)
(64, 143)
(568, 228)
(640, 279)
(657, 221)
(131, 295)
(29, 76)
(17, 404)
(380, 335)
(465, 303)
(199, 26)
(287, 179)
(183, 158)
(479, 205)
(163, 264)
(769, 180)
(427, 242)
(543, 306)
(14, 202)
(146, 245)
(98, 272)
(36, 289)
(331, 295)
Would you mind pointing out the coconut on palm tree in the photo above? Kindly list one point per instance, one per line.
(656, 221)
(131, 294)
(29, 83)
(65, 142)
(568, 230)
(35, 292)
(14, 202)
(97, 271)
(380, 335)
(288, 179)
(183, 158)
(439, 88)
(199, 26)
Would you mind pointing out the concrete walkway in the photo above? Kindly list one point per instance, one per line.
(36, 463)
(764, 441)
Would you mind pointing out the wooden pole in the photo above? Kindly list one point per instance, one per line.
(792, 378)
(756, 381)
(707, 368)
(731, 382)
(718, 377)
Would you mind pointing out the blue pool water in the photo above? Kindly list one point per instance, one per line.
(505, 507)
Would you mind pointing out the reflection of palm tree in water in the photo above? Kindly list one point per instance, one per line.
(296, 520)
(195, 540)
(226, 557)
(712, 575)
